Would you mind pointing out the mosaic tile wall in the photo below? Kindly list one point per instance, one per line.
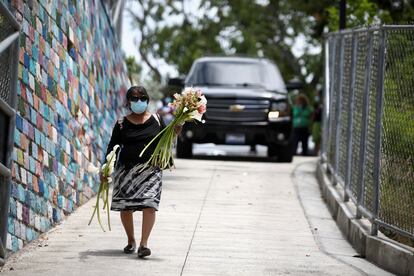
(72, 80)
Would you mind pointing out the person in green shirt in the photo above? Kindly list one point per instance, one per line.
(302, 114)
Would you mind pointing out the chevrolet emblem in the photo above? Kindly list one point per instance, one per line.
(237, 108)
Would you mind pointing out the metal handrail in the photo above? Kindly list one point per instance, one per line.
(11, 43)
(368, 29)
(8, 41)
(4, 171)
(5, 108)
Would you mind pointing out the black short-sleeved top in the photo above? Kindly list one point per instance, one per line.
(132, 139)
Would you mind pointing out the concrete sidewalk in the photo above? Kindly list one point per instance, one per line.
(215, 218)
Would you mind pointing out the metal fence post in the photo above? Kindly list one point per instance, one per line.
(351, 117)
(378, 128)
(330, 101)
(338, 109)
(326, 99)
(365, 110)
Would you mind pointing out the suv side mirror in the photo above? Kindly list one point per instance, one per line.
(294, 84)
(176, 82)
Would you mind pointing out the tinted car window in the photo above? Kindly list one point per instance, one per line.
(224, 73)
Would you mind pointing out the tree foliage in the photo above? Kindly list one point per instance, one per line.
(134, 69)
(175, 34)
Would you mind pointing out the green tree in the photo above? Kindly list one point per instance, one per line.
(360, 13)
(146, 14)
(134, 69)
(258, 28)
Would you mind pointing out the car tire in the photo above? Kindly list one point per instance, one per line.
(282, 153)
(184, 148)
(271, 151)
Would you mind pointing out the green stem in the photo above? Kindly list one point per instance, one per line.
(104, 197)
(103, 192)
(99, 216)
(169, 126)
(162, 152)
(107, 208)
(97, 204)
(155, 138)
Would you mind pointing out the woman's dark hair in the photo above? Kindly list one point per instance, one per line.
(140, 89)
(303, 99)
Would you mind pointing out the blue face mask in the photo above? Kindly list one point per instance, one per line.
(139, 107)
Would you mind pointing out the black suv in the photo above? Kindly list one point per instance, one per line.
(247, 105)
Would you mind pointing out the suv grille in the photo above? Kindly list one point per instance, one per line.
(237, 110)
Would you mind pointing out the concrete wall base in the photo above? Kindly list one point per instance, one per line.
(384, 252)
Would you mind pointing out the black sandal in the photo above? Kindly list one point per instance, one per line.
(143, 252)
(130, 248)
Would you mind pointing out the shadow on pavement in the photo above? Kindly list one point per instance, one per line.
(241, 158)
(234, 158)
(103, 253)
(114, 253)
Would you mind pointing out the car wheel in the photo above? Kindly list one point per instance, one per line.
(184, 148)
(271, 151)
(282, 153)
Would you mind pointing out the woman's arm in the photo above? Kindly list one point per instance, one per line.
(115, 139)
(178, 129)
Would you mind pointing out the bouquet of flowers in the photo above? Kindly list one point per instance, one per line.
(103, 191)
(190, 105)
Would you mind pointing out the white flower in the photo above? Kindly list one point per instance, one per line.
(203, 100)
(196, 115)
(92, 169)
(110, 161)
(185, 109)
(111, 155)
(187, 90)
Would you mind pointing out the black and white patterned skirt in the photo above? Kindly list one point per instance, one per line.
(136, 189)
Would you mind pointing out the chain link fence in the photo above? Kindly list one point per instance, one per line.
(368, 126)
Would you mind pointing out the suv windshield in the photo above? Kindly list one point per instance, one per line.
(236, 73)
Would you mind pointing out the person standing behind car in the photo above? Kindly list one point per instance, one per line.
(166, 111)
(302, 113)
(316, 124)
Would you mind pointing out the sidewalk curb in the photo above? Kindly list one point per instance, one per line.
(388, 254)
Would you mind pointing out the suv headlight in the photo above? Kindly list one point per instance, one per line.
(279, 106)
(273, 116)
(278, 112)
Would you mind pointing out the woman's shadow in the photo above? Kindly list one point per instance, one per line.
(84, 255)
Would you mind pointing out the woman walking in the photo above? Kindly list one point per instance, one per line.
(136, 189)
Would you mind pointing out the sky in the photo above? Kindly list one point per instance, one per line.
(130, 36)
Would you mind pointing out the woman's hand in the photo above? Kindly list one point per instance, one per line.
(178, 129)
(102, 177)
